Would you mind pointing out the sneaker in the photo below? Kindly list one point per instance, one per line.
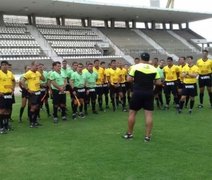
(147, 139)
(166, 107)
(32, 125)
(74, 116)
(82, 115)
(38, 124)
(200, 106)
(3, 131)
(190, 111)
(127, 136)
(55, 120)
(64, 118)
(179, 111)
(124, 110)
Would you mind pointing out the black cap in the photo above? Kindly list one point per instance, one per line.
(4, 62)
(145, 56)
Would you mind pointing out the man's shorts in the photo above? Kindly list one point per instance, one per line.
(24, 93)
(170, 87)
(58, 98)
(34, 98)
(115, 89)
(189, 90)
(205, 80)
(123, 87)
(105, 88)
(99, 89)
(81, 92)
(142, 100)
(6, 101)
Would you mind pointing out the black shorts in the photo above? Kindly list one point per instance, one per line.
(105, 88)
(180, 85)
(92, 94)
(6, 101)
(81, 93)
(114, 89)
(158, 89)
(58, 98)
(129, 86)
(205, 80)
(123, 88)
(189, 90)
(99, 90)
(24, 93)
(34, 98)
(170, 87)
(143, 100)
(44, 94)
(13, 99)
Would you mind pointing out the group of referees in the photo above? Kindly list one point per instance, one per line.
(95, 86)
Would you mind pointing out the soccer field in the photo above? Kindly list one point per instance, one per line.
(92, 148)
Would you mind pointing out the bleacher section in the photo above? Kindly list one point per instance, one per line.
(18, 44)
(130, 43)
(70, 42)
(169, 43)
(189, 35)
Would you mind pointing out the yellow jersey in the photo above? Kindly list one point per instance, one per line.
(6, 82)
(190, 70)
(33, 80)
(205, 67)
(123, 75)
(114, 75)
(171, 73)
(180, 71)
(101, 75)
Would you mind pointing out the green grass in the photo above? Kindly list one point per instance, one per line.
(92, 148)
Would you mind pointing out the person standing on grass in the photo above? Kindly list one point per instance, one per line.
(91, 77)
(189, 78)
(31, 82)
(24, 95)
(144, 77)
(171, 74)
(205, 70)
(7, 86)
(77, 83)
(58, 82)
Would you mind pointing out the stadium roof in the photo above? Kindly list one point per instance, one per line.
(74, 9)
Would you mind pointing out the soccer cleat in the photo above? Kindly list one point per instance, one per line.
(200, 106)
(190, 111)
(147, 139)
(124, 110)
(3, 131)
(81, 115)
(55, 120)
(179, 111)
(127, 136)
(64, 118)
(74, 116)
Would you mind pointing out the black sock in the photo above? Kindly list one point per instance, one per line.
(187, 99)
(100, 101)
(86, 107)
(210, 97)
(74, 108)
(81, 108)
(93, 104)
(181, 104)
(1, 121)
(63, 111)
(47, 108)
(191, 104)
(201, 95)
(160, 98)
(55, 109)
(21, 112)
(167, 99)
(176, 100)
(106, 99)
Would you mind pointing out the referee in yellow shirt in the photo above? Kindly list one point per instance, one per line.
(7, 86)
(189, 78)
(205, 80)
(33, 78)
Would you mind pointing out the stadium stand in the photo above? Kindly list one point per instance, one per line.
(16, 43)
(130, 43)
(70, 41)
(169, 43)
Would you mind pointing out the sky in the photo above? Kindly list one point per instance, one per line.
(201, 27)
